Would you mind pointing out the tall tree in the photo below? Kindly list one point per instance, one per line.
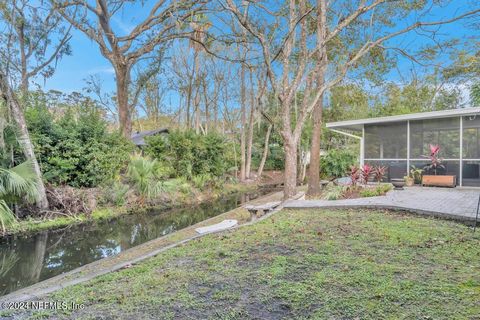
(166, 21)
(322, 60)
(289, 51)
(36, 39)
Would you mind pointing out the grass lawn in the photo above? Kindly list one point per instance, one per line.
(300, 264)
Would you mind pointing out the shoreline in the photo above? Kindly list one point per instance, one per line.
(31, 227)
(131, 256)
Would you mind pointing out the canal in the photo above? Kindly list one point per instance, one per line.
(28, 259)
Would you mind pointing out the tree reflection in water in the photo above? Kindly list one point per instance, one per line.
(28, 260)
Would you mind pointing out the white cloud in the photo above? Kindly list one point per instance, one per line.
(99, 70)
(125, 27)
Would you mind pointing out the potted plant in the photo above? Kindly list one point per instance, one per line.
(416, 174)
(435, 164)
(409, 181)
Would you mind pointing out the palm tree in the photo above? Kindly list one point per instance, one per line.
(143, 173)
(17, 183)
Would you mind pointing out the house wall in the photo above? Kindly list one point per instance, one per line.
(401, 145)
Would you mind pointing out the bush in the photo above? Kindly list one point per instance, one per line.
(189, 155)
(116, 194)
(379, 190)
(337, 163)
(334, 192)
(144, 175)
(77, 149)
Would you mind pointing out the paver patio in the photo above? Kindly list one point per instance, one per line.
(456, 203)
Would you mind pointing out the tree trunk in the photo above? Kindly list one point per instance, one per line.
(23, 59)
(196, 100)
(265, 152)
(207, 112)
(197, 110)
(215, 107)
(314, 187)
(248, 163)
(122, 72)
(36, 259)
(314, 167)
(290, 179)
(24, 138)
(189, 101)
(243, 124)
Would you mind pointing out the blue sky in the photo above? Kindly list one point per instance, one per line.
(86, 59)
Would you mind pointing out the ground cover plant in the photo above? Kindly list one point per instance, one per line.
(300, 264)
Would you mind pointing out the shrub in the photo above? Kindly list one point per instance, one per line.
(379, 190)
(188, 154)
(143, 174)
(77, 149)
(201, 180)
(116, 194)
(334, 192)
(379, 173)
(337, 163)
(177, 184)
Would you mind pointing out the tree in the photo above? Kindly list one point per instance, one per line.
(166, 21)
(35, 40)
(289, 53)
(18, 117)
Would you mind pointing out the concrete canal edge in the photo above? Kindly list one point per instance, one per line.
(136, 254)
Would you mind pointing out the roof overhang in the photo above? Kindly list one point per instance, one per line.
(357, 125)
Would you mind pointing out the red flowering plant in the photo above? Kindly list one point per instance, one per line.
(355, 175)
(366, 172)
(379, 172)
(435, 160)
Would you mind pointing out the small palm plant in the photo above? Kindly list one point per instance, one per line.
(17, 183)
(143, 174)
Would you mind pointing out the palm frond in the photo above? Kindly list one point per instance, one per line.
(142, 172)
(19, 181)
(7, 218)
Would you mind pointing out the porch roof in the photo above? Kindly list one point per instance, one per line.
(357, 125)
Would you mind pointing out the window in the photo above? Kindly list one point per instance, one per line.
(471, 137)
(444, 132)
(388, 141)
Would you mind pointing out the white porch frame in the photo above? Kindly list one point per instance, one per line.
(362, 142)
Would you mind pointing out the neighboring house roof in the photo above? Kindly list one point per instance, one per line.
(357, 125)
(138, 137)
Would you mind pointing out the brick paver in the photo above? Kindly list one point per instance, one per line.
(454, 203)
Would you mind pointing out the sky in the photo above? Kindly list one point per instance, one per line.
(86, 59)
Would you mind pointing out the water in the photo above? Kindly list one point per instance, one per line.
(26, 260)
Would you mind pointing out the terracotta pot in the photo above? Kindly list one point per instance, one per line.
(439, 181)
(398, 183)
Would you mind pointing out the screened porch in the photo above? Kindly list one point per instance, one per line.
(402, 142)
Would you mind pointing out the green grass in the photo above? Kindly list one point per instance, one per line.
(301, 264)
(36, 225)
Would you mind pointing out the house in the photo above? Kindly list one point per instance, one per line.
(400, 142)
(138, 138)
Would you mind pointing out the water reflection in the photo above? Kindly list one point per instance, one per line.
(28, 260)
